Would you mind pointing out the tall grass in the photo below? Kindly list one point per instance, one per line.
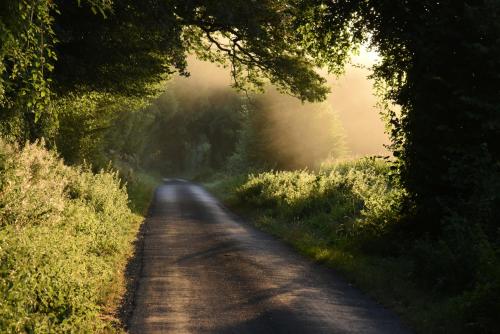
(65, 234)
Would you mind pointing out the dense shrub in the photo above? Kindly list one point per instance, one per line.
(64, 235)
(355, 196)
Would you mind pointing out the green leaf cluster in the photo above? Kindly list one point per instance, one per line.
(64, 235)
(350, 198)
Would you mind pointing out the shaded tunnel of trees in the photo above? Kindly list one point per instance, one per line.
(82, 75)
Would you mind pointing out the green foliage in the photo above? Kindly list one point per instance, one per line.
(203, 128)
(140, 186)
(138, 42)
(256, 38)
(85, 121)
(353, 197)
(64, 235)
(127, 51)
(27, 58)
(26, 53)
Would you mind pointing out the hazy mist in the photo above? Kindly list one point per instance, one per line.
(292, 135)
(351, 101)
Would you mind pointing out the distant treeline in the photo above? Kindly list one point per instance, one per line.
(192, 130)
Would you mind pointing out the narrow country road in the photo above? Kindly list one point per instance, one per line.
(203, 271)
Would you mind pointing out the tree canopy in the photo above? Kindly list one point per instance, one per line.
(125, 46)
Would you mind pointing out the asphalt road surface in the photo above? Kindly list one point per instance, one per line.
(204, 271)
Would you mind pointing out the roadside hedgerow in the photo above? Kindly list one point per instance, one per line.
(355, 196)
(65, 233)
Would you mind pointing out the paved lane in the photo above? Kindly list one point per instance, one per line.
(205, 272)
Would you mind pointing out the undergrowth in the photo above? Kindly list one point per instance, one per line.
(65, 235)
(140, 186)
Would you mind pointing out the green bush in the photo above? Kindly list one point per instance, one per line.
(356, 196)
(64, 235)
